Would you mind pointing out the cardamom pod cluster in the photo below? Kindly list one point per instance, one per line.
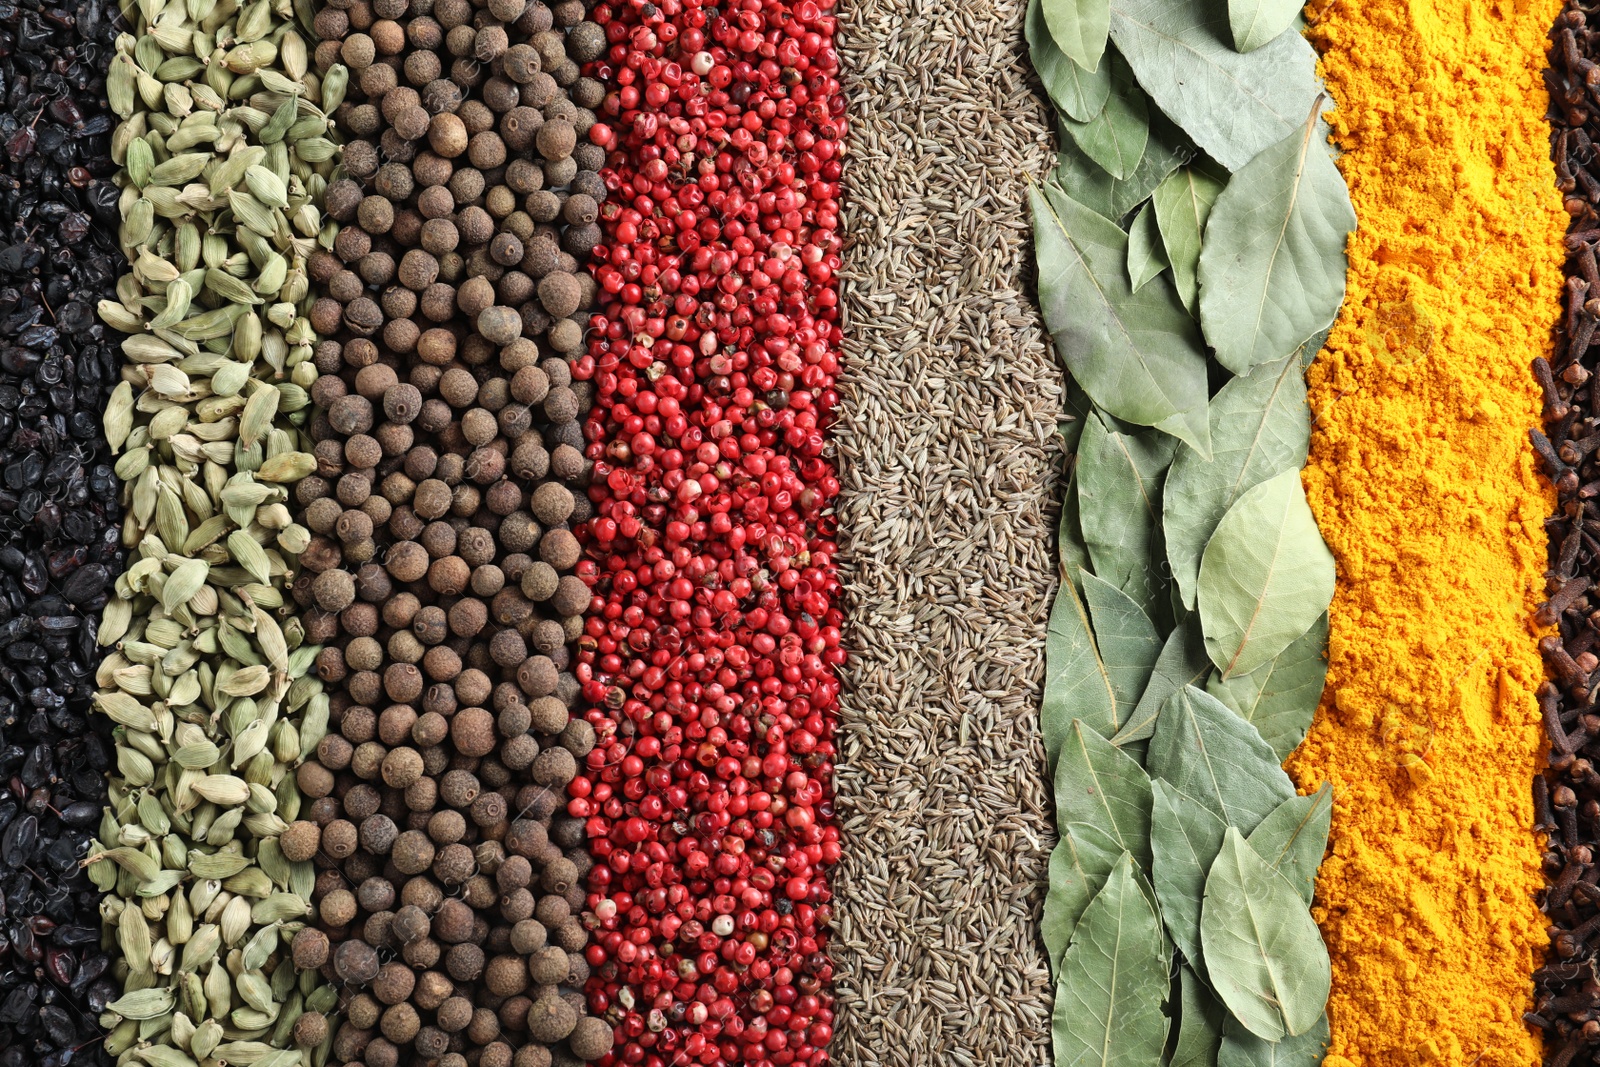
(226, 152)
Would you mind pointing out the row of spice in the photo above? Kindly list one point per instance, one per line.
(1566, 804)
(1191, 257)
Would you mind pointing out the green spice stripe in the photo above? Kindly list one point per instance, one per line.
(1192, 234)
(226, 150)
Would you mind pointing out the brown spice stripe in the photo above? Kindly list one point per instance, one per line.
(1567, 796)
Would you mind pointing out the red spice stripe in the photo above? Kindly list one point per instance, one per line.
(711, 649)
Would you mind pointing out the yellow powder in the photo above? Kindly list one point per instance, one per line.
(1423, 482)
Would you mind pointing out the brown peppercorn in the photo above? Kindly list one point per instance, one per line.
(472, 731)
(413, 853)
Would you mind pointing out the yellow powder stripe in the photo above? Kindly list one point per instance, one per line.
(1423, 482)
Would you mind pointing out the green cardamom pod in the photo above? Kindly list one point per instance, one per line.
(266, 187)
(180, 168)
(141, 161)
(120, 85)
(335, 84)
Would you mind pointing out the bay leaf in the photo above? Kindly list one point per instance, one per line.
(1146, 256)
(1085, 181)
(1200, 1022)
(1232, 106)
(1126, 638)
(1205, 750)
(1116, 136)
(1184, 839)
(1265, 576)
(1281, 697)
(1137, 355)
(1076, 416)
(1263, 950)
(1099, 784)
(1069, 533)
(1241, 1048)
(1077, 687)
(1294, 836)
(1113, 981)
(1182, 204)
(1260, 426)
(1079, 866)
(1079, 28)
(1273, 261)
(1182, 662)
(1077, 92)
(1258, 22)
(1119, 479)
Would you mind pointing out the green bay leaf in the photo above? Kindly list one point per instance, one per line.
(1232, 106)
(1273, 263)
(1203, 749)
(1079, 28)
(1099, 784)
(1077, 686)
(1281, 697)
(1119, 478)
(1184, 838)
(1137, 355)
(1258, 22)
(1079, 866)
(1265, 576)
(1146, 256)
(1085, 181)
(1260, 426)
(1076, 92)
(1182, 204)
(1182, 662)
(1128, 642)
(1293, 837)
(1200, 1022)
(1113, 981)
(1116, 136)
(1241, 1048)
(1263, 950)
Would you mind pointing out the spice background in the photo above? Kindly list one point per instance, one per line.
(1424, 486)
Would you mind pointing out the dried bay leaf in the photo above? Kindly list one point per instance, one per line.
(1263, 950)
(1241, 1048)
(1184, 839)
(1099, 784)
(1258, 22)
(1281, 697)
(1137, 355)
(1260, 426)
(1146, 256)
(1113, 981)
(1273, 263)
(1182, 204)
(1293, 837)
(1118, 478)
(1204, 750)
(1077, 687)
(1200, 1022)
(1083, 179)
(1115, 137)
(1079, 866)
(1232, 106)
(1076, 91)
(1182, 662)
(1079, 28)
(1265, 576)
(1126, 639)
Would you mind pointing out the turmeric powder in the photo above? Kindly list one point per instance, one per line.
(1424, 485)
